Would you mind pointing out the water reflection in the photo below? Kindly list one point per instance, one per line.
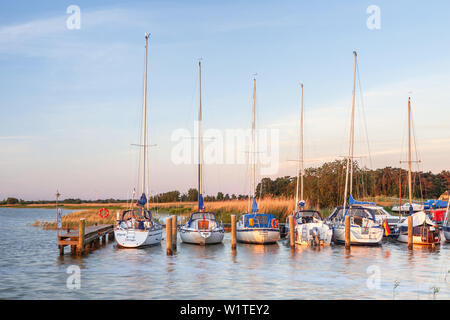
(32, 269)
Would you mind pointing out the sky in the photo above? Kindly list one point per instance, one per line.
(71, 98)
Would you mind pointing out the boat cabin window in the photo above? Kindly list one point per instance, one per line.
(200, 215)
(380, 212)
(136, 214)
(258, 220)
(354, 212)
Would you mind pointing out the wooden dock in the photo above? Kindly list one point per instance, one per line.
(85, 239)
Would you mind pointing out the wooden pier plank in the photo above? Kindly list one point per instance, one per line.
(91, 238)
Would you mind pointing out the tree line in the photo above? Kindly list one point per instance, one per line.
(323, 187)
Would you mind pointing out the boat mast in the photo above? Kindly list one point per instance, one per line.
(350, 147)
(352, 126)
(144, 126)
(300, 156)
(253, 175)
(199, 132)
(409, 152)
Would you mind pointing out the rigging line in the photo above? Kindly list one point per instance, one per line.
(363, 112)
(417, 155)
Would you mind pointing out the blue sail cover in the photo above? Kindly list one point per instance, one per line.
(200, 203)
(351, 201)
(142, 201)
(435, 204)
(260, 220)
(254, 206)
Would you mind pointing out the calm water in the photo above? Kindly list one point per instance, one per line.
(31, 268)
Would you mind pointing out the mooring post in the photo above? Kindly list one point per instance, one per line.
(169, 235)
(233, 232)
(347, 232)
(410, 232)
(291, 231)
(174, 233)
(80, 246)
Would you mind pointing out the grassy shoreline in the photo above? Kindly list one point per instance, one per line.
(280, 207)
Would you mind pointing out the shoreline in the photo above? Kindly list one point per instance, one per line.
(280, 207)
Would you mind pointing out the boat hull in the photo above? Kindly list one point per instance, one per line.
(133, 238)
(313, 234)
(423, 235)
(195, 236)
(417, 240)
(258, 235)
(359, 235)
(446, 230)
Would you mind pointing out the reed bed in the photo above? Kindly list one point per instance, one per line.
(72, 220)
(280, 207)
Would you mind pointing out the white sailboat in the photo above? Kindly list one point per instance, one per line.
(405, 207)
(364, 228)
(202, 227)
(135, 226)
(255, 227)
(446, 224)
(310, 228)
(425, 231)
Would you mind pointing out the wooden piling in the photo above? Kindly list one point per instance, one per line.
(233, 232)
(80, 245)
(291, 231)
(410, 232)
(169, 236)
(174, 233)
(347, 232)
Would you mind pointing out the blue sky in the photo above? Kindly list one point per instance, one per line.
(71, 100)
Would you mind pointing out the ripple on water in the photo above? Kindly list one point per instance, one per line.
(32, 269)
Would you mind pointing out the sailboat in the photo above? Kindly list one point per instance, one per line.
(255, 227)
(310, 228)
(364, 228)
(202, 227)
(446, 224)
(134, 226)
(425, 231)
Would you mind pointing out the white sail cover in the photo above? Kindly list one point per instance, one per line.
(418, 219)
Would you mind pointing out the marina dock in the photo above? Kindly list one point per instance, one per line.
(85, 239)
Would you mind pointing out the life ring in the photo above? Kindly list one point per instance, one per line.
(274, 223)
(103, 215)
